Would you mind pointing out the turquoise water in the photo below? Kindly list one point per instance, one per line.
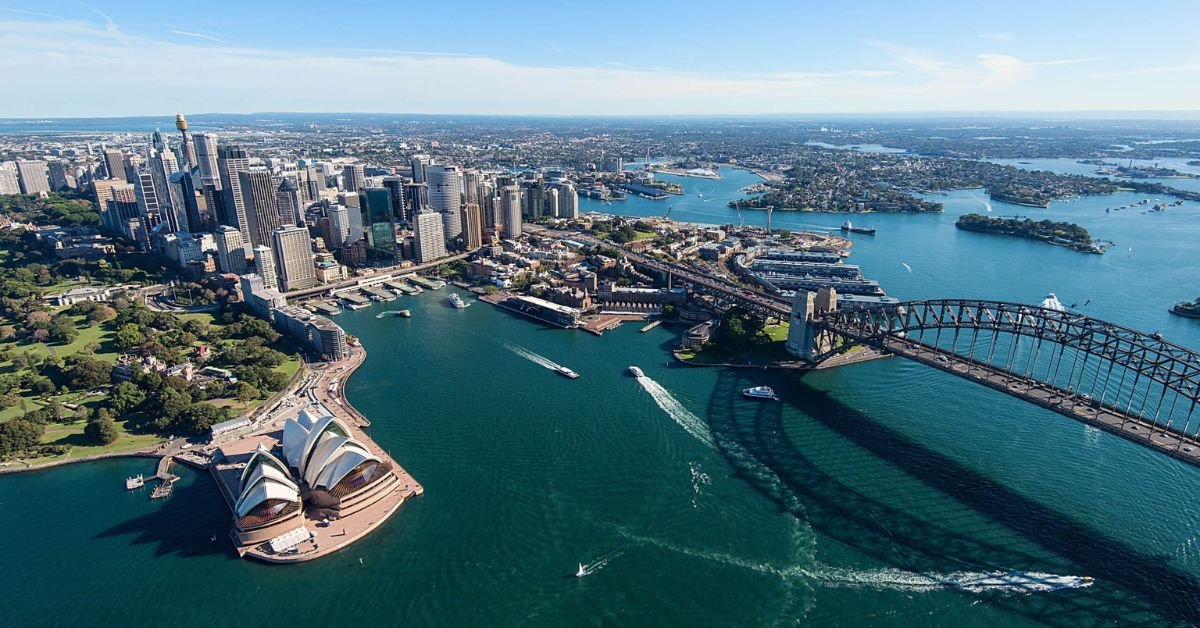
(872, 494)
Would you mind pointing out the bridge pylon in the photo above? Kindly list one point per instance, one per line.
(803, 341)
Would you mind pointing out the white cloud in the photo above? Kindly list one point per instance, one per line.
(196, 35)
(56, 61)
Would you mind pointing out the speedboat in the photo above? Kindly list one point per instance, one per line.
(636, 372)
(566, 372)
(582, 571)
(759, 392)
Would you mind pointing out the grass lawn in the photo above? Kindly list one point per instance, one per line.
(644, 235)
(71, 435)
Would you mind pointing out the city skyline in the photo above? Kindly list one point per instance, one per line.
(865, 58)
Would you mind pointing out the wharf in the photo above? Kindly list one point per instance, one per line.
(651, 326)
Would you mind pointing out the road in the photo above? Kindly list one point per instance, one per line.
(350, 283)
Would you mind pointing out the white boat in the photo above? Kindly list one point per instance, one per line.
(566, 372)
(582, 571)
(456, 301)
(759, 392)
(636, 372)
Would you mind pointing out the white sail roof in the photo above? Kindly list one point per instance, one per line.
(264, 491)
(294, 437)
(350, 458)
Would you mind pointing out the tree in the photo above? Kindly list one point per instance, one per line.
(102, 431)
(246, 393)
(125, 397)
(19, 435)
(89, 372)
(41, 385)
(101, 314)
(128, 336)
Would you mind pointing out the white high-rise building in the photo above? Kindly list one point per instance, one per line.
(9, 182)
(429, 243)
(294, 258)
(445, 197)
(510, 203)
(568, 202)
(206, 153)
(231, 251)
(33, 176)
(339, 226)
(264, 261)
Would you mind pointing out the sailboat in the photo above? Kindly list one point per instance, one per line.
(582, 571)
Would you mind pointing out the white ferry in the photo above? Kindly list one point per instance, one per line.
(760, 392)
(636, 372)
(456, 301)
(566, 372)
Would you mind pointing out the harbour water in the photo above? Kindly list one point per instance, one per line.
(881, 493)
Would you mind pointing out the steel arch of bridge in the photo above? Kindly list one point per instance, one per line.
(1136, 385)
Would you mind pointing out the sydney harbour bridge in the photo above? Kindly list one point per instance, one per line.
(1135, 385)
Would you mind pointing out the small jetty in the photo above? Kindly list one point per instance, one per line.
(378, 294)
(166, 478)
(135, 482)
(428, 284)
(651, 326)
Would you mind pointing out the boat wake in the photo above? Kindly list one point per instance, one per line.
(977, 582)
(700, 479)
(539, 360)
(906, 266)
(595, 565)
(973, 582)
(691, 423)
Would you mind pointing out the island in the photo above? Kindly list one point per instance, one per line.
(1064, 234)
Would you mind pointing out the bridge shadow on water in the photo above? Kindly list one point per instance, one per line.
(183, 523)
(1131, 587)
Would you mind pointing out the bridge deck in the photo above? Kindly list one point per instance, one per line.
(1075, 406)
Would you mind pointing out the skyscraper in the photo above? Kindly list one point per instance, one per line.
(62, 176)
(354, 177)
(148, 198)
(533, 199)
(264, 261)
(294, 257)
(472, 221)
(232, 160)
(102, 191)
(445, 197)
(416, 198)
(551, 200)
(419, 163)
(185, 148)
(339, 226)
(376, 211)
(510, 204)
(206, 155)
(395, 186)
(114, 164)
(287, 202)
(33, 176)
(9, 180)
(429, 243)
(231, 251)
(258, 197)
(568, 202)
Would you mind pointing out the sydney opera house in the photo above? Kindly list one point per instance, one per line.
(318, 474)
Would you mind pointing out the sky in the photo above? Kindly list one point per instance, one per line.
(651, 57)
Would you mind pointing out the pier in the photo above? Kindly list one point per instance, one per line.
(166, 479)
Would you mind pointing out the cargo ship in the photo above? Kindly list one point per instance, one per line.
(850, 228)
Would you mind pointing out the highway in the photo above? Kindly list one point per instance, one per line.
(353, 281)
(775, 305)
